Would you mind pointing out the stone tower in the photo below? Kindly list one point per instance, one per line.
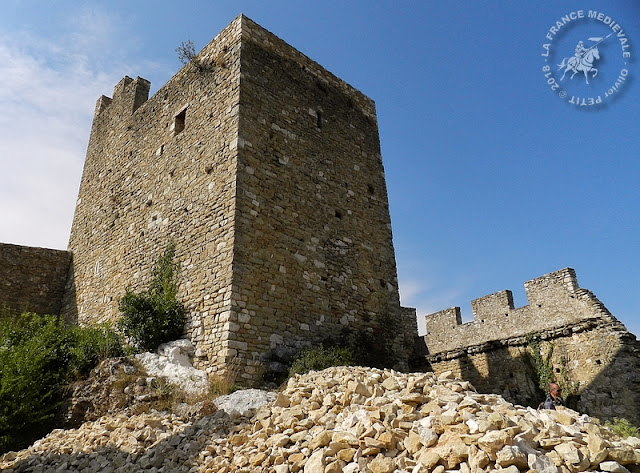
(265, 170)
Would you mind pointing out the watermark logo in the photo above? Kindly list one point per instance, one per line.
(587, 58)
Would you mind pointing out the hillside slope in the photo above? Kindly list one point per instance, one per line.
(343, 420)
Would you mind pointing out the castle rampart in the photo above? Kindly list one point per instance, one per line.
(32, 279)
(590, 353)
(555, 300)
(128, 95)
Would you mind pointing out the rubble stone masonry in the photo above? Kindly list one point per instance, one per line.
(592, 355)
(32, 279)
(265, 170)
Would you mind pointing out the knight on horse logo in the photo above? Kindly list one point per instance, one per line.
(583, 59)
(601, 52)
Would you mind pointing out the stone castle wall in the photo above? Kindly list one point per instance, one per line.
(265, 170)
(156, 171)
(592, 355)
(32, 279)
(555, 300)
(314, 253)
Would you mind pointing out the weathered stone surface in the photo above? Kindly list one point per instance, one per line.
(493, 441)
(33, 277)
(359, 435)
(598, 358)
(244, 402)
(175, 366)
(315, 463)
(511, 455)
(541, 464)
(320, 440)
(613, 467)
(412, 442)
(265, 170)
(624, 454)
(568, 452)
(382, 464)
(178, 351)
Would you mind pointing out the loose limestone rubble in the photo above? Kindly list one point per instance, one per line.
(173, 362)
(149, 375)
(343, 420)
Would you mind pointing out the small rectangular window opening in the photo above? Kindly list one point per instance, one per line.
(179, 122)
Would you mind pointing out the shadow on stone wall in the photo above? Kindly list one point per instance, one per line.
(606, 384)
(32, 279)
(69, 307)
(615, 391)
(503, 371)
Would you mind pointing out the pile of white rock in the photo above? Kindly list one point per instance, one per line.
(344, 420)
(173, 362)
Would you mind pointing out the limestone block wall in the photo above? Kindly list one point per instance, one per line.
(156, 171)
(32, 279)
(314, 252)
(597, 363)
(265, 170)
(555, 300)
(593, 357)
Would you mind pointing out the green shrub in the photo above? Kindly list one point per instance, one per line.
(148, 321)
(92, 345)
(155, 316)
(542, 363)
(371, 347)
(319, 358)
(623, 427)
(32, 361)
(38, 356)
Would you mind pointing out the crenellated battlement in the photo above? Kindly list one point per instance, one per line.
(128, 95)
(554, 300)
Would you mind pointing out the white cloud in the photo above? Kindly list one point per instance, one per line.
(45, 113)
(48, 90)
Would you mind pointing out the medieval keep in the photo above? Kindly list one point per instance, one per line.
(265, 170)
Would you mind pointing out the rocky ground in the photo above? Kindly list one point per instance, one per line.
(339, 420)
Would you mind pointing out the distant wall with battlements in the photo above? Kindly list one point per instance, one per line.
(555, 300)
(590, 353)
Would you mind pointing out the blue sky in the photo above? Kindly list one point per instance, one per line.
(493, 179)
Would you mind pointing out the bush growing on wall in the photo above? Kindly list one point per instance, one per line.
(542, 363)
(623, 427)
(186, 52)
(38, 356)
(319, 358)
(155, 316)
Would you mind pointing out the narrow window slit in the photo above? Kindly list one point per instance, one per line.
(179, 122)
